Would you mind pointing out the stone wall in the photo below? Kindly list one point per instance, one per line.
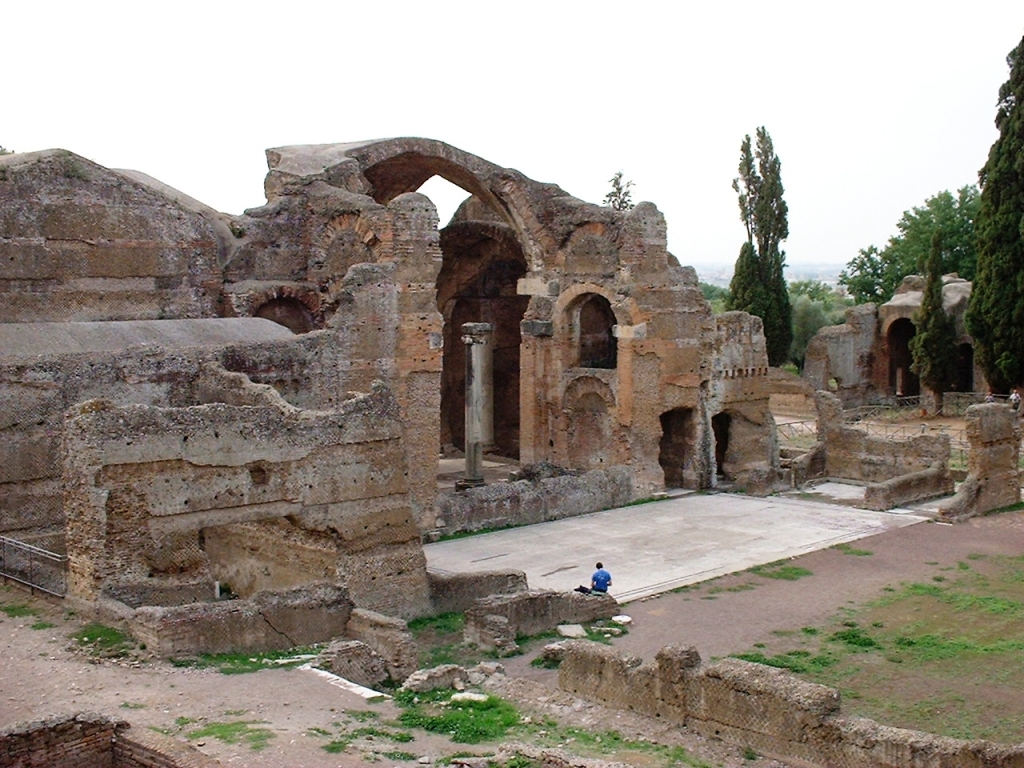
(903, 470)
(763, 708)
(458, 591)
(496, 621)
(45, 368)
(87, 740)
(993, 478)
(80, 242)
(525, 502)
(845, 355)
(266, 622)
(389, 638)
(143, 485)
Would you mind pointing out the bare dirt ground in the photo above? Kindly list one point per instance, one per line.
(43, 674)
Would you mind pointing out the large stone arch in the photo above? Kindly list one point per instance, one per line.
(590, 420)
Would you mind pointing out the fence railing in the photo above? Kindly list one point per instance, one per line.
(34, 567)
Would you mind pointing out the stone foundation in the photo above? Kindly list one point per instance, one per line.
(88, 740)
(459, 591)
(763, 708)
(895, 471)
(495, 622)
(266, 622)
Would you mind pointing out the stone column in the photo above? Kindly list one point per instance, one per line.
(479, 393)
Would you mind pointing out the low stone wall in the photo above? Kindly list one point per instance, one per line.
(88, 740)
(388, 637)
(915, 486)
(458, 591)
(763, 708)
(495, 622)
(525, 502)
(993, 480)
(897, 470)
(267, 621)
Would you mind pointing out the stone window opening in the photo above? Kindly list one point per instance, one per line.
(595, 333)
(289, 312)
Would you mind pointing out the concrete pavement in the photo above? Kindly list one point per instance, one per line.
(658, 546)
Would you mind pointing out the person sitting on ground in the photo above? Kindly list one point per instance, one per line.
(599, 582)
(601, 579)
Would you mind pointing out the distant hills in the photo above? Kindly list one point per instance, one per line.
(720, 274)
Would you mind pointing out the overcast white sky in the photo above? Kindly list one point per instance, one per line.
(872, 106)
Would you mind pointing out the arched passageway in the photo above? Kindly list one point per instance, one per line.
(903, 382)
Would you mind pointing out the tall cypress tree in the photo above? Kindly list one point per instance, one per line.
(758, 284)
(934, 345)
(995, 316)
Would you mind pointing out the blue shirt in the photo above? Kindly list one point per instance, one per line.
(601, 580)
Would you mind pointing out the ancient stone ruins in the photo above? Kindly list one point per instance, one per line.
(194, 404)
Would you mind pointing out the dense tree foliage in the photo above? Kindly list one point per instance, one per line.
(619, 198)
(815, 305)
(758, 285)
(934, 344)
(874, 275)
(6, 151)
(995, 316)
(716, 295)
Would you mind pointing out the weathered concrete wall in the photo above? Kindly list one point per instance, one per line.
(763, 708)
(459, 591)
(525, 502)
(846, 353)
(81, 242)
(388, 637)
(740, 394)
(333, 482)
(45, 368)
(268, 621)
(495, 621)
(904, 470)
(993, 479)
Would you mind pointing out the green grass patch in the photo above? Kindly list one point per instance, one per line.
(846, 549)
(243, 663)
(103, 640)
(399, 755)
(779, 571)
(798, 661)
(18, 610)
(42, 625)
(464, 722)
(445, 623)
(240, 732)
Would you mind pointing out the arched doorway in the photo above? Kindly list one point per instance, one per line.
(482, 264)
(903, 382)
(289, 312)
(678, 447)
(596, 343)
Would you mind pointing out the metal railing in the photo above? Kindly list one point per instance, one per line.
(34, 567)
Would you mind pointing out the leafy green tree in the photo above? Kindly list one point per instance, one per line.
(619, 198)
(758, 285)
(4, 151)
(874, 276)
(815, 305)
(934, 347)
(716, 295)
(995, 316)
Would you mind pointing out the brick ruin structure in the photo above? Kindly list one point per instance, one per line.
(192, 397)
(867, 359)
